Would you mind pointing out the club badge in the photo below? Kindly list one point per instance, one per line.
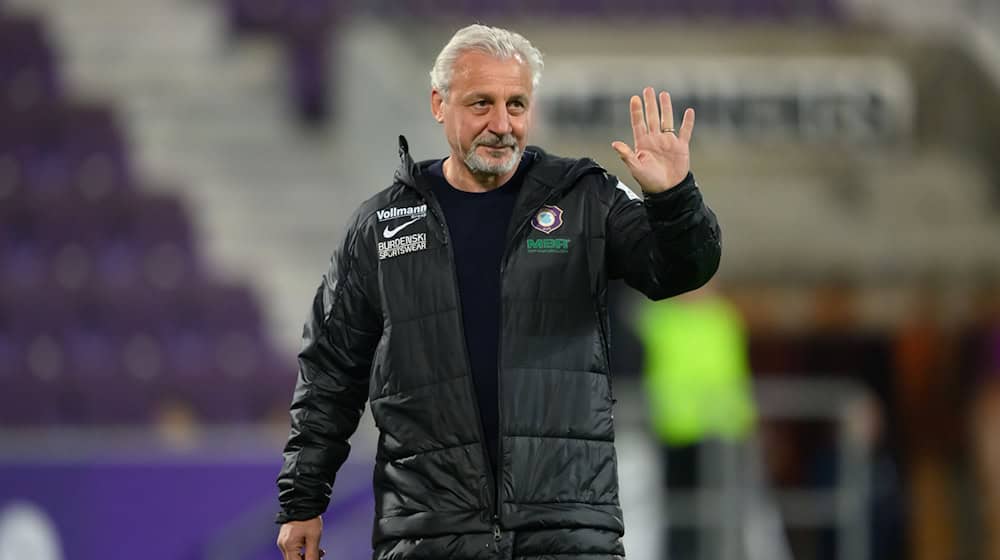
(548, 219)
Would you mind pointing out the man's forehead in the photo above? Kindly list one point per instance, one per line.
(475, 69)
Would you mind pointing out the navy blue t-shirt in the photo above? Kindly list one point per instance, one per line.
(478, 224)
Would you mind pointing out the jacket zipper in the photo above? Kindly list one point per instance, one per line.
(498, 475)
(490, 475)
(493, 476)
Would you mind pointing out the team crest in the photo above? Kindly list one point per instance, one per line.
(548, 219)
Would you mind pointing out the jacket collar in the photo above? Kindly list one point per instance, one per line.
(546, 180)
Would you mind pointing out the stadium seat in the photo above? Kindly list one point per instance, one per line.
(56, 151)
(31, 374)
(105, 311)
(27, 66)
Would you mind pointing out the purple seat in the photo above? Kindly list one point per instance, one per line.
(308, 32)
(116, 358)
(276, 16)
(50, 243)
(255, 16)
(216, 352)
(193, 376)
(126, 310)
(23, 266)
(143, 220)
(215, 308)
(28, 74)
(31, 375)
(126, 239)
(127, 392)
(28, 141)
(305, 28)
(162, 219)
(605, 9)
(119, 266)
(308, 55)
(58, 151)
(161, 228)
(232, 308)
(274, 381)
(223, 375)
(310, 16)
(95, 148)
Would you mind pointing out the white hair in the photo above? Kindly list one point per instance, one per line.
(496, 41)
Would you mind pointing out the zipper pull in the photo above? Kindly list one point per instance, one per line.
(496, 533)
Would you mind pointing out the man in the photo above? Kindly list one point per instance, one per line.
(467, 304)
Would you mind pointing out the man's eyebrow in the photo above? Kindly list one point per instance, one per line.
(477, 95)
(483, 95)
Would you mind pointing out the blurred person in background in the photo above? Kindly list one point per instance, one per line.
(924, 367)
(467, 302)
(984, 416)
(697, 380)
(838, 345)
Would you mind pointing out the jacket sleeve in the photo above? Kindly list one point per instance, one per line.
(338, 344)
(667, 244)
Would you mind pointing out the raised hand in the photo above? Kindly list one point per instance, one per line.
(660, 159)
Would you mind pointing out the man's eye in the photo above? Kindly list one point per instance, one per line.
(481, 103)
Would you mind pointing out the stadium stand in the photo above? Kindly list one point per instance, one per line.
(137, 208)
(304, 29)
(106, 310)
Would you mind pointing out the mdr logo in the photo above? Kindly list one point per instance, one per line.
(27, 533)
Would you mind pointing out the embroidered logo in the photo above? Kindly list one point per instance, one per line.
(548, 245)
(386, 214)
(402, 245)
(548, 219)
(389, 232)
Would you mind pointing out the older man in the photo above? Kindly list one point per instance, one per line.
(467, 303)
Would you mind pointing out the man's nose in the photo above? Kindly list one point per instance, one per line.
(500, 121)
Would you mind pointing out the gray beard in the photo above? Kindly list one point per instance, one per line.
(481, 166)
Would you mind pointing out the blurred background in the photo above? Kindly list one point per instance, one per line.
(174, 175)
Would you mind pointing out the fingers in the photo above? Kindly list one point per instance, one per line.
(666, 112)
(638, 125)
(650, 117)
(624, 152)
(652, 110)
(289, 551)
(312, 548)
(299, 540)
(687, 126)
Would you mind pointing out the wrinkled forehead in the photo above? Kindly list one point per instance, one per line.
(475, 70)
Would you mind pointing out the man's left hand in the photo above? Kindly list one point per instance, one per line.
(661, 159)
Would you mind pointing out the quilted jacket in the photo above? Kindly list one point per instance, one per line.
(386, 327)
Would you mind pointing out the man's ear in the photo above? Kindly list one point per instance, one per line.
(437, 100)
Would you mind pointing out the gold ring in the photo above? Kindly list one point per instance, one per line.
(666, 130)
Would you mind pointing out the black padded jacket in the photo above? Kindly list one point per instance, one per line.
(386, 327)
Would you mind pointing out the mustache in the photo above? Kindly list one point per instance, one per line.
(491, 140)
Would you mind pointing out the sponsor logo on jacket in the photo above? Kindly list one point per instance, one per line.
(402, 245)
(412, 212)
(548, 245)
